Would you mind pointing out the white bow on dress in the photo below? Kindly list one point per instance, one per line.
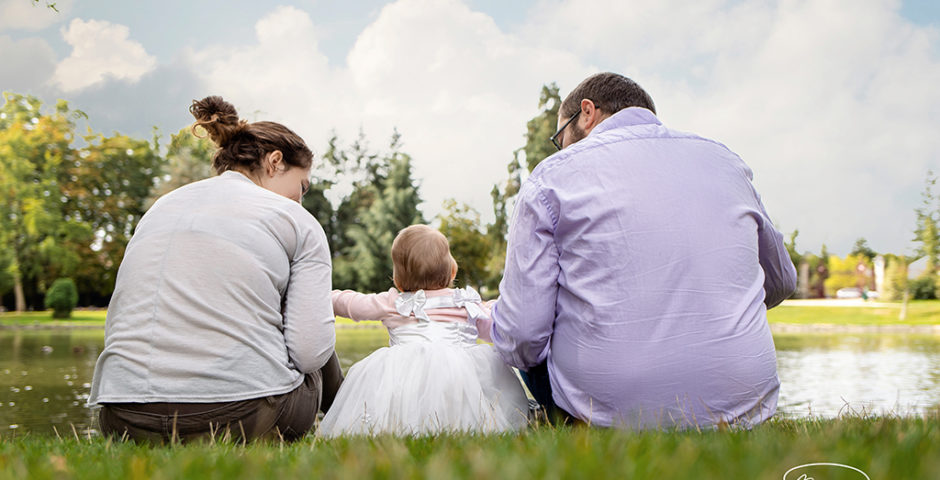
(412, 302)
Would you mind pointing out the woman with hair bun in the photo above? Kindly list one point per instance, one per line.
(221, 322)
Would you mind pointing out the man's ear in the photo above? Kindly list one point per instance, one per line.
(590, 115)
(273, 162)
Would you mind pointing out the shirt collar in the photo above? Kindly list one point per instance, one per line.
(625, 118)
(235, 174)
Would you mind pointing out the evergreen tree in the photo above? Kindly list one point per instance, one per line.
(537, 147)
(395, 206)
(540, 129)
(790, 245)
(861, 248)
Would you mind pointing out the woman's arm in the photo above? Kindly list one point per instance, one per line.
(309, 324)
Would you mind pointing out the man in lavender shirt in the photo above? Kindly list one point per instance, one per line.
(640, 267)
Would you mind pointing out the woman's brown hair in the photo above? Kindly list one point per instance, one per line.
(421, 259)
(243, 145)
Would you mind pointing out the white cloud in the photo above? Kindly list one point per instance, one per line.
(457, 88)
(832, 103)
(26, 15)
(100, 51)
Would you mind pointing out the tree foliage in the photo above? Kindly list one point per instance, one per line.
(65, 211)
(62, 297)
(540, 128)
(38, 237)
(927, 239)
(469, 244)
(851, 271)
(188, 159)
(383, 200)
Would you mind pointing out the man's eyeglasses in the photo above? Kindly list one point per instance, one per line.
(554, 138)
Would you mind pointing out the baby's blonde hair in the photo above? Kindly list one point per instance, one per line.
(421, 259)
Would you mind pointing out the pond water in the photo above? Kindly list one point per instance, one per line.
(45, 375)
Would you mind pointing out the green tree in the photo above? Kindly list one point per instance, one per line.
(62, 297)
(861, 248)
(469, 244)
(852, 271)
(108, 187)
(896, 283)
(37, 237)
(540, 128)
(188, 159)
(790, 245)
(367, 259)
(496, 232)
(537, 147)
(927, 235)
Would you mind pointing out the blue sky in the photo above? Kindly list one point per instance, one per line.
(833, 104)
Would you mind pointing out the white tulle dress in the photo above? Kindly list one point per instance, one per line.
(432, 378)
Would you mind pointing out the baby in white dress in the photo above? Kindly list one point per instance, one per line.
(433, 377)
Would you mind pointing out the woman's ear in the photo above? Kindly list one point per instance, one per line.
(273, 162)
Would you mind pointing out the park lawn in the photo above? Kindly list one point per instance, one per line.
(920, 312)
(884, 447)
(44, 318)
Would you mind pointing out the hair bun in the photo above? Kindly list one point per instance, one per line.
(218, 117)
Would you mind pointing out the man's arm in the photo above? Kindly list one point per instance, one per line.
(524, 315)
(779, 272)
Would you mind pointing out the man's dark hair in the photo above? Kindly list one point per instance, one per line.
(610, 92)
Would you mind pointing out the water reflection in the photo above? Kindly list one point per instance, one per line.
(828, 374)
(45, 376)
(44, 380)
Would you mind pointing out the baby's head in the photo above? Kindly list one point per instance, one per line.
(421, 259)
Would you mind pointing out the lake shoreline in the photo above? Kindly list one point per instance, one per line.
(843, 328)
(775, 327)
(59, 326)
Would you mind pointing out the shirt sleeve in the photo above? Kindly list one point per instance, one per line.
(362, 306)
(524, 314)
(309, 325)
(779, 272)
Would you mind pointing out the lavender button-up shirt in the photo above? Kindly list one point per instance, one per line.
(640, 264)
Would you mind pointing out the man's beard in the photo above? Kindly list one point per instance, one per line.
(577, 134)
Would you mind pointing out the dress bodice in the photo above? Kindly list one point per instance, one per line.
(453, 333)
(428, 330)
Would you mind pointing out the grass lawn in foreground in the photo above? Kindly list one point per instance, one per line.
(907, 448)
(920, 312)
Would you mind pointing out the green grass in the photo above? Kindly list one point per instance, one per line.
(884, 447)
(44, 318)
(922, 312)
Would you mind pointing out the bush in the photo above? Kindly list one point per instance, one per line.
(62, 297)
(924, 288)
